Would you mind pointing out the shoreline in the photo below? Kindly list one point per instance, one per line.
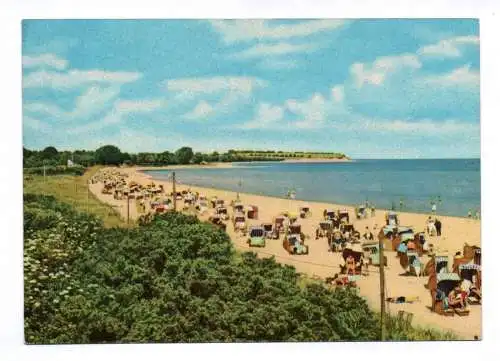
(321, 263)
(231, 164)
(317, 160)
(222, 166)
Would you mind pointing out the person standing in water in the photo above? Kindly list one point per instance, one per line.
(434, 207)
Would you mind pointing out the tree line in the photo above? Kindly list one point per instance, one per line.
(112, 155)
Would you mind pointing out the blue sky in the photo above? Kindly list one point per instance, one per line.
(368, 88)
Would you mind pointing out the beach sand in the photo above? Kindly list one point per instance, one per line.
(320, 262)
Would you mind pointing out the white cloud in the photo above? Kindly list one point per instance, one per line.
(201, 110)
(463, 76)
(247, 30)
(139, 106)
(312, 112)
(120, 109)
(224, 91)
(44, 61)
(376, 73)
(92, 101)
(266, 50)
(267, 116)
(338, 93)
(76, 78)
(209, 85)
(451, 47)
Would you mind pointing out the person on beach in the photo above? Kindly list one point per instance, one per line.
(434, 207)
(339, 280)
(477, 214)
(373, 210)
(350, 265)
(438, 225)
(417, 266)
(456, 298)
(431, 227)
(469, 214)
(470, 289)
(368, 235)
(347, 235)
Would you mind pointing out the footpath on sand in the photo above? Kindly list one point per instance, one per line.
(321, 263)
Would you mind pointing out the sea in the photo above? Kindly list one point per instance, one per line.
(454, 185)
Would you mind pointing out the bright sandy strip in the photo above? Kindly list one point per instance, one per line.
(316, 160)
(320, 262)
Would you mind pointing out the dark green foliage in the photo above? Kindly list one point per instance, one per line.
(49, 153)
(184, 155)
(109, 154)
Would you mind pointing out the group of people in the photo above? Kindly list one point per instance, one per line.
(476, 215)
(459, 295)
(434, 226)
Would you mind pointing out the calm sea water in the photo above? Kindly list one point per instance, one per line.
(456, 182)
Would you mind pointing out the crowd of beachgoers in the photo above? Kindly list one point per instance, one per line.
(432, 263)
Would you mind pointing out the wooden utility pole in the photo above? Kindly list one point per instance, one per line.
(174, 194)
(239, 189)
(128, 209)
(382, 288)
(88, 194)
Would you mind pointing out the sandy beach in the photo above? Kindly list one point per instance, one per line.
(317, 160)
(319, 262)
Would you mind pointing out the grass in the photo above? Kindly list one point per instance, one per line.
(399, 329)
(73, 190)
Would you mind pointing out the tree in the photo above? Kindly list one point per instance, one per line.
(167, 158)
(109, 154)
(184, 155)
(27, 153)
(50, 153)
(197, 158)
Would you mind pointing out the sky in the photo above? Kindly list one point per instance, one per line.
(367, 88)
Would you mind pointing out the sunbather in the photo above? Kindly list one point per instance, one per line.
(456, 298)
(350, 265)
(470, 289)
(417, 266)
(368, 235)
(339, 281)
